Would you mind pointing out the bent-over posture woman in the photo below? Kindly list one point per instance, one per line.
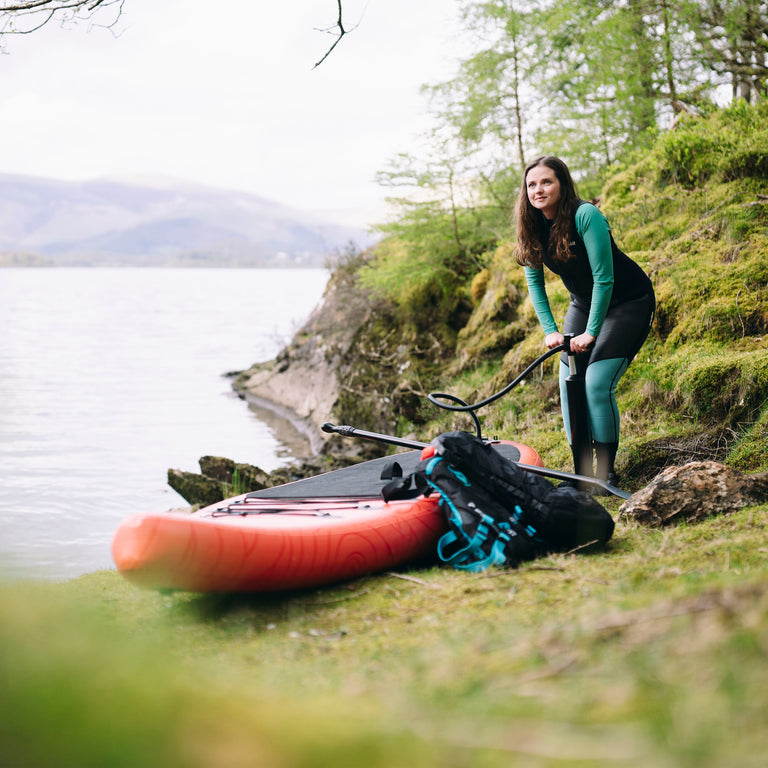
(612, 299)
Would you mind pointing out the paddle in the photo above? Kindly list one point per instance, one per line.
(347, 431)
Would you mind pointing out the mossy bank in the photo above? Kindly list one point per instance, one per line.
(396, 324)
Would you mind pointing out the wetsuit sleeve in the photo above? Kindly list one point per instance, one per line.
(539, 299)
(593, 229)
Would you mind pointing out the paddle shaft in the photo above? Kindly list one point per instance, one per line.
(347, 431)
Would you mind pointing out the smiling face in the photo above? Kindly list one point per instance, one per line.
(543, 188)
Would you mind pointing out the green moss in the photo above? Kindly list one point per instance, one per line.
(717, 383)
(728, 144)
(750, 450)
(478, 286)
(495, 324)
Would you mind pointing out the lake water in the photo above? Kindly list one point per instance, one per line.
(109, 377)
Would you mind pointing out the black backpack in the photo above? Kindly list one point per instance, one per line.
(497, 513)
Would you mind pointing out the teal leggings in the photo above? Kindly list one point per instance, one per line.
(600, 380)
(623, 332)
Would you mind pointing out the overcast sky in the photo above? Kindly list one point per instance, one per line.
(226, 94)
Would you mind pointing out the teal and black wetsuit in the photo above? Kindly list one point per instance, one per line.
(612, 299)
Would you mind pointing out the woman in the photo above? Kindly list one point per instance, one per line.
(612, 299)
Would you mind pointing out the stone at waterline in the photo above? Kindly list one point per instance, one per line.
(223, 478)
(246, 477)
(693, 492)
(219, 479)
(217, 468)
(194, 488)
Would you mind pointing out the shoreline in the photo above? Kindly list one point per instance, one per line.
(305, 427)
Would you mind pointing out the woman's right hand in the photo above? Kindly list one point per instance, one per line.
(552, 340)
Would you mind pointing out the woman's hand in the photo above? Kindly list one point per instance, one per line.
(582, 342)
(552, 340)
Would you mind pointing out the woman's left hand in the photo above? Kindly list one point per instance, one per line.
(582, 342)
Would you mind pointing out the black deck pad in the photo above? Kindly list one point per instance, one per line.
(360, 480)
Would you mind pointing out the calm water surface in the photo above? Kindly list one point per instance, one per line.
(108, 377)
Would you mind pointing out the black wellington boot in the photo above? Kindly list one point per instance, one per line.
(582, 465)
(605, 456)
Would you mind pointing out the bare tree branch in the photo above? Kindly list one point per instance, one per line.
(338, 25)
(23, 17)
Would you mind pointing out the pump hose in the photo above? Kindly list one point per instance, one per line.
(464, 407)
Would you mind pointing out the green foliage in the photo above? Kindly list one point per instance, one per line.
(605, 66)
(346, 261)
(238, 485)
(594, 82)
(496, 322)
(405, 268)
(751, 446)
(427, 258)
(727, 145)
(486, 105)
(691, 158)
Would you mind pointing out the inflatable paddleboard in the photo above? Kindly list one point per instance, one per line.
(321, 530)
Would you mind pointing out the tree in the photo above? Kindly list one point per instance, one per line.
(337, 29)
(26, 16)
(486, 103)
(592, 80)
(444, 205)
(733, 39)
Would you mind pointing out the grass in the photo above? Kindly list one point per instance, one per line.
(652, 653)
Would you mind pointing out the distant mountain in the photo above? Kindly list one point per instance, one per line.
(151, 222)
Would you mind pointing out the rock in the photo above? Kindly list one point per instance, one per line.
(693, 492)
(244, 477)
(196, 489)
(303, 380)
(223, 478)
(220, 478)
(217, 468)
(248, 478)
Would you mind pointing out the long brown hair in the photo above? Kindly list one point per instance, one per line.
(529, 248)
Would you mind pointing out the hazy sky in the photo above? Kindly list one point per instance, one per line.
(226, 94)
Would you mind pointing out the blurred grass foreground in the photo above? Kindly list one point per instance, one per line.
(652, 653)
